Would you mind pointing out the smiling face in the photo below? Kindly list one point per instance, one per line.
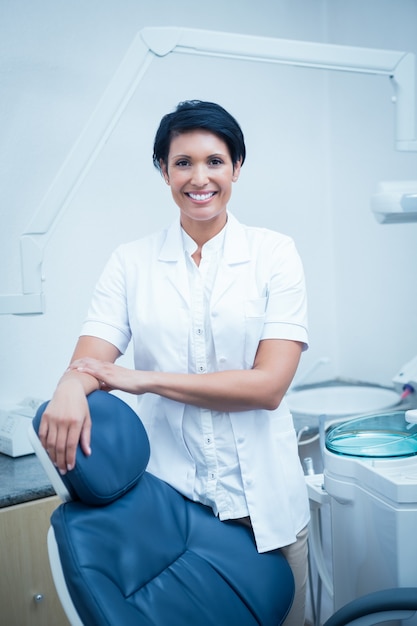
(200, 172)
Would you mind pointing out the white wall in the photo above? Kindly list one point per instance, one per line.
(317, 145)
(375, 289)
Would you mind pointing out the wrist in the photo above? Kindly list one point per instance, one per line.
(149, 382)
(88, 382)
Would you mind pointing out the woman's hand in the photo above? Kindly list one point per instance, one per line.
(109, 375)
(65, 422)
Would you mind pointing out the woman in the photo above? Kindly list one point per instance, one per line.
(217, 314)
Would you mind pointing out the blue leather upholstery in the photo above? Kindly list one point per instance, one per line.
(121, 452)
(151, 557)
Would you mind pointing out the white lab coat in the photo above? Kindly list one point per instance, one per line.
(259, 293)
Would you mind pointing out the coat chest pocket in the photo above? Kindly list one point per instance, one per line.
(254, 322)
(255, 308)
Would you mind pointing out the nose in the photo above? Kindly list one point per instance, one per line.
(199, 176)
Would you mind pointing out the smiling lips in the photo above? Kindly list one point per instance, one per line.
(201, 197)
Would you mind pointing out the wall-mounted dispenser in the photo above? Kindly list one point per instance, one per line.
(395, 202)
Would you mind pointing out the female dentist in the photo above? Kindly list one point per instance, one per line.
(217, 314)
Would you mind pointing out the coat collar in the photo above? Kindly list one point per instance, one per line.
(235, 253)
(236, 248)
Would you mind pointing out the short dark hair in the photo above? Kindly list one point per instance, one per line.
(192, 115)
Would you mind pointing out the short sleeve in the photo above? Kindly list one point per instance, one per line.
(286, 311)
(107, 317)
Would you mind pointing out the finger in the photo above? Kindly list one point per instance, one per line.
(83, 362)
(79, 363)
(43, 430)
(86, 369)
(49, 442)
(61, 452)
(92, 367)
(74, 435)
(85, 438)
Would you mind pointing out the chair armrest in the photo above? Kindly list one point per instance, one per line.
(376, 603)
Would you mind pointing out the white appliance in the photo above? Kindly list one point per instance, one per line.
(14, 424)
(395, 202)
(370, 476)
(337, 400)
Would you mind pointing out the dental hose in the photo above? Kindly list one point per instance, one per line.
(407, 390)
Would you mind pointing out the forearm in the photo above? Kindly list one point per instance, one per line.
(261, 387)
(234, 390)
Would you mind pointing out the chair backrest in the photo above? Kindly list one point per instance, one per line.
(135, 551)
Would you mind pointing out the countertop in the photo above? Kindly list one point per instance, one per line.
(22, 479)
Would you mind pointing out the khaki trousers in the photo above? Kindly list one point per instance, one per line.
(297, 557)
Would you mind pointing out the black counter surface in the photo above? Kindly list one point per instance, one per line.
(22, 479)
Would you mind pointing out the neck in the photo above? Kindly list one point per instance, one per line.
(203, 231)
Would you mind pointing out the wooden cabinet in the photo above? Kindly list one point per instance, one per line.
(27, 591)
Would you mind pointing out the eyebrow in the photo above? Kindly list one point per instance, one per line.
(187, 156)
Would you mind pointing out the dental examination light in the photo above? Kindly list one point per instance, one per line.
(153, 42)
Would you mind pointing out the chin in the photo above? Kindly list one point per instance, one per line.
(205, 215)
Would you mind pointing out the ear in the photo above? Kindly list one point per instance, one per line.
(164, 171)
(236, 170)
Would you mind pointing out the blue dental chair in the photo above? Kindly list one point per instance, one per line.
(127, 549)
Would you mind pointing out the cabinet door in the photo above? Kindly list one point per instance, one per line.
(27, 591)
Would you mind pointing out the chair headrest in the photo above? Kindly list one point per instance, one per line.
(120, 451)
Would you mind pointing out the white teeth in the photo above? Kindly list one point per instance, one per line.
(201, 196)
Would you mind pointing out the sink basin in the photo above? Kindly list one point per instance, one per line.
(341, 400)
(385, 435)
